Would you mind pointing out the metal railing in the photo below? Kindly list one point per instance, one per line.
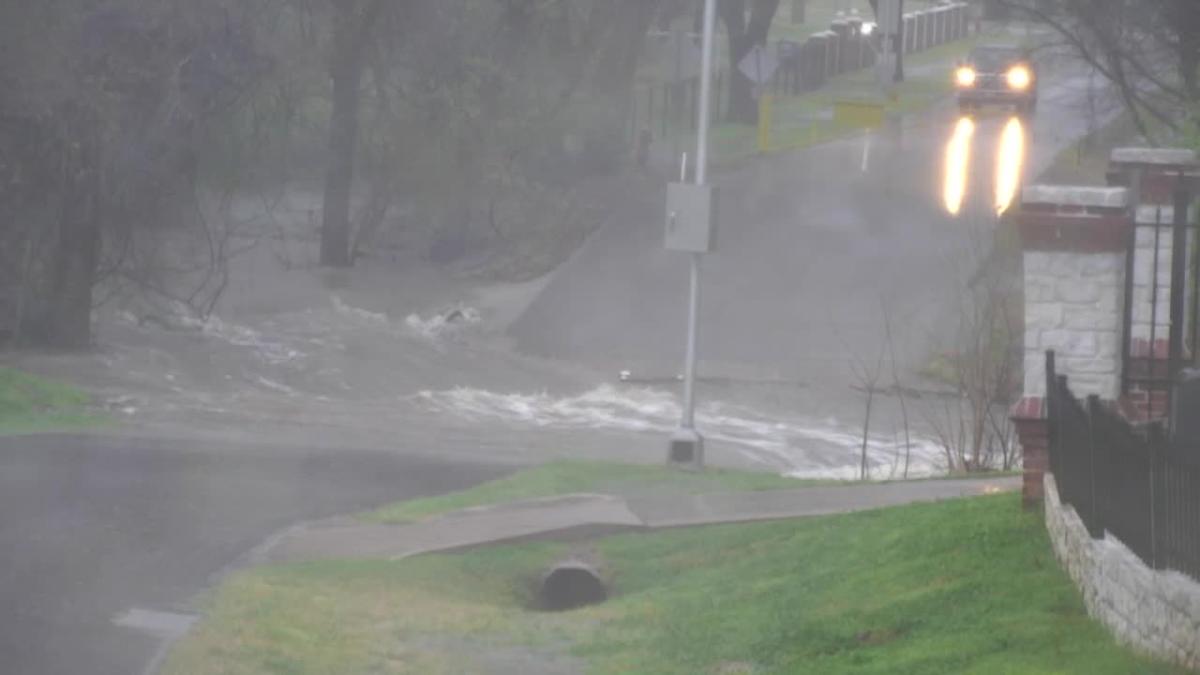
(1132, 482)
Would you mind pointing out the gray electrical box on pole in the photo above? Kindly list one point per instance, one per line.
(691, 213)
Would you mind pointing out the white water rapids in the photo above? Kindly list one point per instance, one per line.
(809, 449)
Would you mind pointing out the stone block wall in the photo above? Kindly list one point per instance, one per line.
(1072, 306)
(1155, 612)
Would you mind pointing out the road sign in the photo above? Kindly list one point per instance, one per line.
(759, 65)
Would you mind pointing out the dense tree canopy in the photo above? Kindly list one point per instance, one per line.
(446, 115)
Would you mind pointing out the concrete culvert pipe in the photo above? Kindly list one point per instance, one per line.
(571, 584)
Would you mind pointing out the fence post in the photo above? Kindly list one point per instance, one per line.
(1051, 411)
(1099, 475)
(1157, 437)
(1182, 205)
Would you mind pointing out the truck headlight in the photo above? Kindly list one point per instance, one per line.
(965, 76)
(1019, 78)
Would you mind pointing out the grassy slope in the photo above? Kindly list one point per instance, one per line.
(30, 404)
(566, 477)
(967, 586)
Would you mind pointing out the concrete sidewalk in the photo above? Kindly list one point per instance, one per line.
(572, 517)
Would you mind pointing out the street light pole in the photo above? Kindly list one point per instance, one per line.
(706, 68)
(687, 446)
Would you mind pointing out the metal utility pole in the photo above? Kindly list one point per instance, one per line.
(690, 228)
(706, 68)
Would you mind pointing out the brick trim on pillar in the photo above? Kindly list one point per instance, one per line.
(1033, 432)
(1160, 170)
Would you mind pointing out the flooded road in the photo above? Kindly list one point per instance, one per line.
(814, 254)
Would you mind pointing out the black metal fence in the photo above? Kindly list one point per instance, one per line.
(1130, 481)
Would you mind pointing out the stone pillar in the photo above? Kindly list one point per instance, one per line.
(1152, 174)
(855, 45)
(1074, 242)
(870, 46)
(1158, 167)
(910, 32)
(925, 19)
(828, 41)
(815, 58)
(959, 21)
(1029, 418)
(841, 29)
(821, 58)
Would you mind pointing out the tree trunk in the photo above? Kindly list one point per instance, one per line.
(624, 24)
(76, 250)
(350, 32)
(743, 108)
(626, 29)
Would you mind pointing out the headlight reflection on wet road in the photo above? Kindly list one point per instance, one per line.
(1009, 167)
(1009, 164)
(958, 165)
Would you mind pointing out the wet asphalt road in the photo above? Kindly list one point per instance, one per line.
(810, 248)
(93, 527)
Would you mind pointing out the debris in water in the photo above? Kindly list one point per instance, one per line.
(441, 322)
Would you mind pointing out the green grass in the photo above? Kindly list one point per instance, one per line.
(966, 586)
(571, 476)
(30, 404)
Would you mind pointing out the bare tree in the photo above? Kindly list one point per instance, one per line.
(867, 377)
(1149, 50)
(106, 127)
(896, 385)
(353, 22)
(981, 364)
